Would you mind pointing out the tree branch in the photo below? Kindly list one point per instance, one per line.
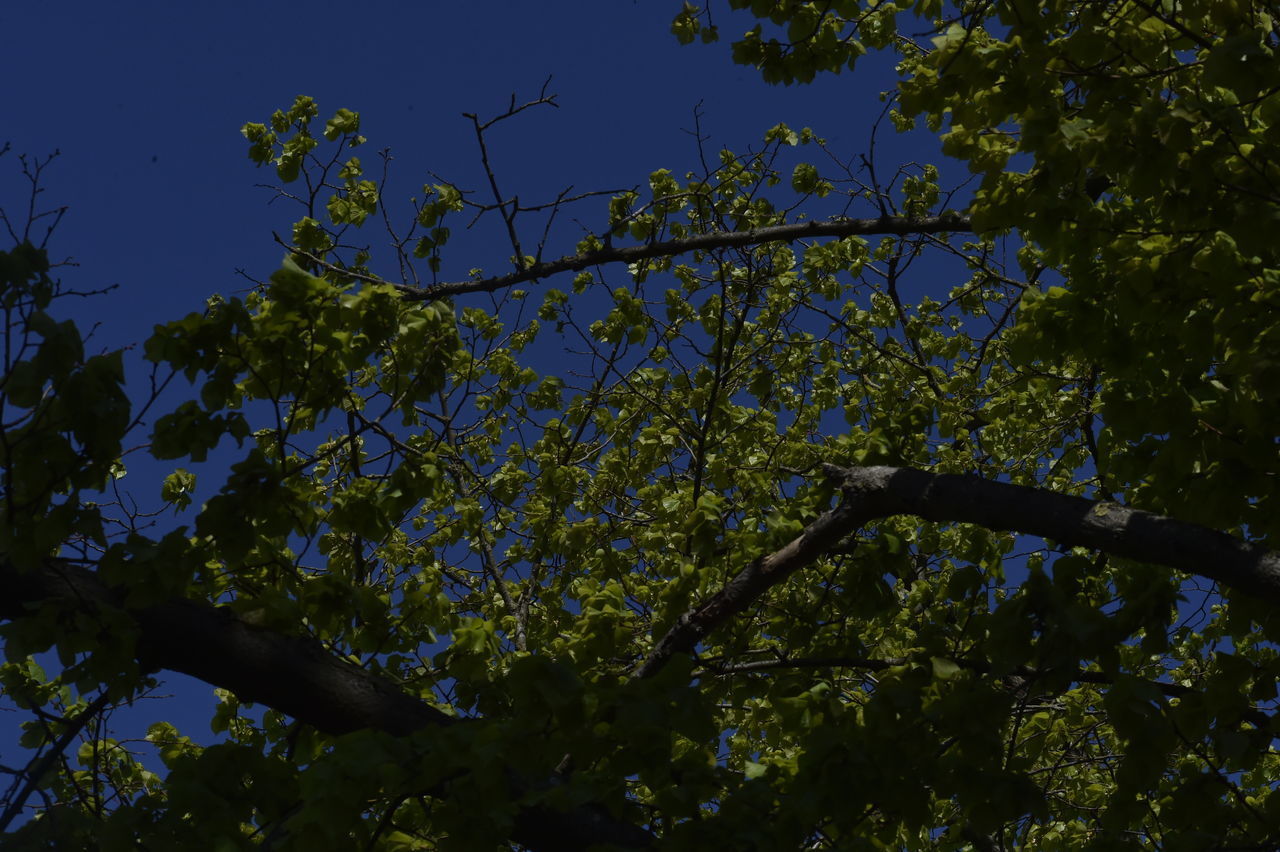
(294, 675)
(702, 242)
(871, 493)
(299, 677)
(74, 725)
(1254, 716)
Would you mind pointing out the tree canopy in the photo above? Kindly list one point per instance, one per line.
(804, 502)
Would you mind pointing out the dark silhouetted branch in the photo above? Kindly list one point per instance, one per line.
(702, 242)
(295, 675)
(871, 493)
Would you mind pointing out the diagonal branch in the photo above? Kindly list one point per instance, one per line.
(295, 675)
(35, 773)
(871, 493)
(702, 242)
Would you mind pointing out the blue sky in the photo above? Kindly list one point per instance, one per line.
(145, 101)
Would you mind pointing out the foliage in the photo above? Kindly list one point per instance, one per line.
(424, 490)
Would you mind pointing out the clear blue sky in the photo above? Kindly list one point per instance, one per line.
(145, 101)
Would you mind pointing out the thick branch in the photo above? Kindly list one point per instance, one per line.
(702, 242)
(295, 675)
(871, 493)
(1109, 527)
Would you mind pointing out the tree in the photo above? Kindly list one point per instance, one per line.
(779, 555)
